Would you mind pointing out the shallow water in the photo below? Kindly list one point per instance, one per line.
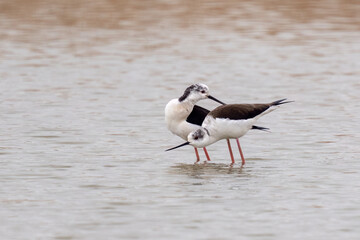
(83, 89)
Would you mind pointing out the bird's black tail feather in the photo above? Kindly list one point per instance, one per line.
(279, 102)
(260, 128)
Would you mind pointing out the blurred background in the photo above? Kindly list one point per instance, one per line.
(232, 15)
(82, 136)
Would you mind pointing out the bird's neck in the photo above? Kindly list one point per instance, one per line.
(188, 100)
(188, 105)
(212, 140)
(177, 112)
(211, 136)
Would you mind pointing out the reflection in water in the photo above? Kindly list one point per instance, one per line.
(207, 170)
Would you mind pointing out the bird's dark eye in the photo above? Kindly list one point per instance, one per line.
(196, 138)
(202, 91)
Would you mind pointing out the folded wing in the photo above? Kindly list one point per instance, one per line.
(197, 115)
(239, 111)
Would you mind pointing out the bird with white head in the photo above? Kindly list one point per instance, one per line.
(229, 121)
(182, 116)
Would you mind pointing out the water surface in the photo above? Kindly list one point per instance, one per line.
(83, 89)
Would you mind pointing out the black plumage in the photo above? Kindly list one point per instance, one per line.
(239, 111)
(197, 115)
(242, 111)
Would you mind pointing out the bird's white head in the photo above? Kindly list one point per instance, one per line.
(197, 92)
(199, 138)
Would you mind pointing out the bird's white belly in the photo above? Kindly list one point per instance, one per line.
(225, 128)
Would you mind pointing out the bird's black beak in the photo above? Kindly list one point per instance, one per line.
(181, 145)
(216, 100)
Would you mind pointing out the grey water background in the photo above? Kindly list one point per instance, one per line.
(83, 89)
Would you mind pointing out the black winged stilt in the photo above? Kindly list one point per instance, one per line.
(182, 116)
(227, 122)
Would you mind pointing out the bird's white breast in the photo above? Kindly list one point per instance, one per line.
(176, 114)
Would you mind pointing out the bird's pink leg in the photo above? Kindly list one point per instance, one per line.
(241, 153)
(197, 155)
(231, 154)
(206, 154)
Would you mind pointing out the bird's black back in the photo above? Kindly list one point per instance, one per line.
(239, 111)
(197, 115)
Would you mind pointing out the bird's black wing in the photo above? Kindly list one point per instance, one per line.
(197, 115)
(239, 111)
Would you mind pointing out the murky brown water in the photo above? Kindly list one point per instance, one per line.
(83, 88)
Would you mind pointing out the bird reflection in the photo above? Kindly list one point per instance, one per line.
(208, 170)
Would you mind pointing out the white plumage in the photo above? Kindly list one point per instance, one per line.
(229, 122)
(177, 112)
